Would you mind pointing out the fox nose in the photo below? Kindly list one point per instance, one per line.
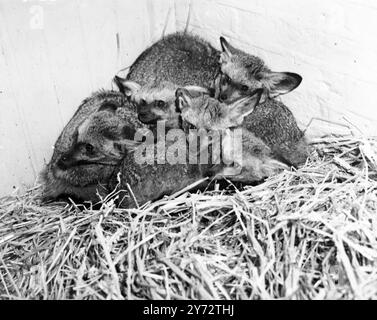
(142, 109)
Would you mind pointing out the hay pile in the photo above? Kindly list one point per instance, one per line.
(305, 234)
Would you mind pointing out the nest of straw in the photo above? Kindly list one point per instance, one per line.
(304, 234)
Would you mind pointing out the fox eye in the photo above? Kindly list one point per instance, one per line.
(160, 104)
(244, 88)
(89, 148)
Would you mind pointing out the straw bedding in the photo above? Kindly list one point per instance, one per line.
(309, 233)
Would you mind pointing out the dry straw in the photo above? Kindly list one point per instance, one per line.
(309, 233)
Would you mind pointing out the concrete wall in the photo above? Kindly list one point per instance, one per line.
(54, 53)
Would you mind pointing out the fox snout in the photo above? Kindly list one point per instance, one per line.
(145, 113)
(143, 109)
(146, 116)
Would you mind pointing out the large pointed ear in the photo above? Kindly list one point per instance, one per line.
(183, 98)
(244, 106)
(227, 48)
(127, 87)
(279, 83)
(195, 91)
(109, 107)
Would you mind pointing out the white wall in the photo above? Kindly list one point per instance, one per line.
(48, 68)
(332, 44)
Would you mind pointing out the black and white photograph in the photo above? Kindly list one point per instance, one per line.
(216, 150)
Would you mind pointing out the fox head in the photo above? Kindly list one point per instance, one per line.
(155, 103)
(87, 152)
(242, 73)
(204, 112)
(101, 139)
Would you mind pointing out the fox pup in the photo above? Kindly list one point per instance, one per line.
(204, 112)
(183, 60)
(90, 147)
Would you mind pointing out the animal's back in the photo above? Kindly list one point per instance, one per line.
(152, 181)
(179, 58)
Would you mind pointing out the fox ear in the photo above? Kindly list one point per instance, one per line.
(127, 87)
(82, 129)
(183, 98)
(228, 50)
(244, 106)
(279, 83)
(108, 106)
(195, 91)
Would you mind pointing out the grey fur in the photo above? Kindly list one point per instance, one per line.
(183, 59)
(69, 178)
(205, 112)
(107, 122)
(180, 58)
(150, 182)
